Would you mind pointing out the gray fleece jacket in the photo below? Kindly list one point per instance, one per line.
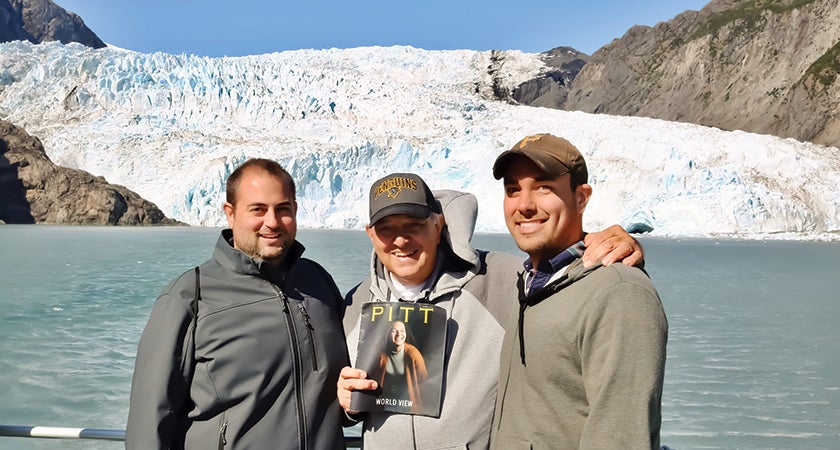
(584, 369)
(478, 291)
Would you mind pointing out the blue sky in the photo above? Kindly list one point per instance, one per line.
(237, 28)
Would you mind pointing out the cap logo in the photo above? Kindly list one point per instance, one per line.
(393, 186)
(528, 139)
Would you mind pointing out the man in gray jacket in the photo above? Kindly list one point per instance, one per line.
(584, 365)
(245, 350)
(422, 253)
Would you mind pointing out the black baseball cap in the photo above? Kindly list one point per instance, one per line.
(401, 193)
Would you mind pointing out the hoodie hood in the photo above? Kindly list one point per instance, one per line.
(460, 210)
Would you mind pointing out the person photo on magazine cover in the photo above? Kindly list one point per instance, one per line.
(401, 367)
(401, 345)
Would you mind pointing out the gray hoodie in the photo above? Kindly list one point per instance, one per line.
(478, 291)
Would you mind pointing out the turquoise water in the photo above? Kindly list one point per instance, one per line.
(752, 358)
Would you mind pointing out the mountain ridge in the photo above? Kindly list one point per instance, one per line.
(767, 67)
(39, 21)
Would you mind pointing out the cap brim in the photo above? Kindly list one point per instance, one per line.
(545, 161)
(411, 209)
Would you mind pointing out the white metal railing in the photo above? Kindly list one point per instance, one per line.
(61, 433)
(115, 435)
(94, 433)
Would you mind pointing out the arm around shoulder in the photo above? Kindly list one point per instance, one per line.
(612, 245)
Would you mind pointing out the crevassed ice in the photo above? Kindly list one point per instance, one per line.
(172, 127)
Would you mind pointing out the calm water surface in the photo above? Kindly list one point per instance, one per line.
(752, 357)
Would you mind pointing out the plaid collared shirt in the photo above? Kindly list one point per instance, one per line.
(537, 279)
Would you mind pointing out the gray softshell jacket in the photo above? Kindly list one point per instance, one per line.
(262, 371)
(478, 291)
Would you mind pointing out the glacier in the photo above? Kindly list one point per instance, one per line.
(172, 127)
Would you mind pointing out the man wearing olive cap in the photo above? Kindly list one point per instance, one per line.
(583, 365)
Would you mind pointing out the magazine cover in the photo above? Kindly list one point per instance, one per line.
(401, 346)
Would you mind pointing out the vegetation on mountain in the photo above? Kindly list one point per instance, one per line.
(746, 16)
(824, 70)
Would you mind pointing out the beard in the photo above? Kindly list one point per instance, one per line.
(542, 247)
(272, 256)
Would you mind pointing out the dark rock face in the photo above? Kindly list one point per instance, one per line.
(43, 21)
(757, 66)
(11, 24)
(34, 190)
(551, 89)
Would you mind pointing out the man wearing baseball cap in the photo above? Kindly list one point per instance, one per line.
(584, 365)
(422, 253)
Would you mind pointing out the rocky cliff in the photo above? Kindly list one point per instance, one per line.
(755, 65)
(43, 21)
(551, 88)
(34, 190)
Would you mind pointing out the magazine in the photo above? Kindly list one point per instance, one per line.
(401, 347)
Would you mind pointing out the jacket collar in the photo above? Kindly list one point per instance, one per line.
(575, 272)
(541, 275)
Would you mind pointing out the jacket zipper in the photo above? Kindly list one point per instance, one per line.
(290, 322)
(309, 330)
(222, 432)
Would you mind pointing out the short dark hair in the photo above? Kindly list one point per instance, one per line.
(267, 165)
(575, 183)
